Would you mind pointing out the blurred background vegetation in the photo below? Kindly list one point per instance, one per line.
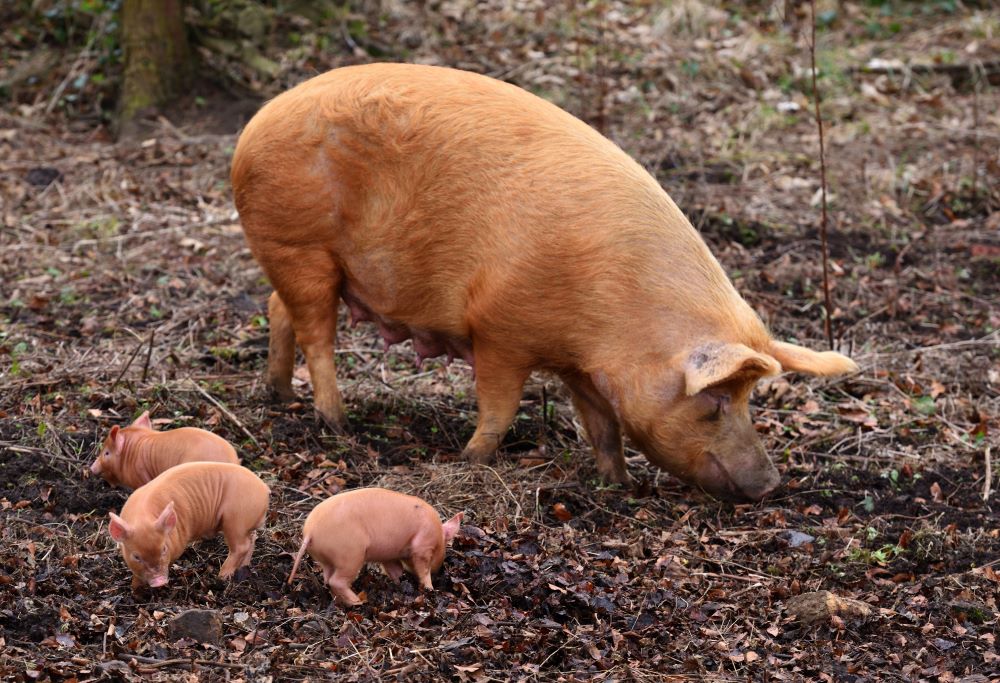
(71, 53)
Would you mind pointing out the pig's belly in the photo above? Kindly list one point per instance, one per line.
(427, 343)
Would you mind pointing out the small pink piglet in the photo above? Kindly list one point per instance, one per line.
(374, 525)
(138, 453)
(188, 502)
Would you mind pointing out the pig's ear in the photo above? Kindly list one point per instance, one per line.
(118, 528)
(118, 439)
(167, 519)
(801, 359)
(143, 421)
(451, 527)
(712, 363)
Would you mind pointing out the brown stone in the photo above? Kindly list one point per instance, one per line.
(203, 625)
(820, 606)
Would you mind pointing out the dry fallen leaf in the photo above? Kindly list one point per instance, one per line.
(561, 513)
(819, 606)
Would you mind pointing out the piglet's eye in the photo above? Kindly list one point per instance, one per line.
(137, 557)
(107, 454)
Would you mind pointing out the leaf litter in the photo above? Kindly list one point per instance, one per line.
(126, 285)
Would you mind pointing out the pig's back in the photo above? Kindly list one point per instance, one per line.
(203, 493)
(442, 192)
(190, 444)
(383, 521)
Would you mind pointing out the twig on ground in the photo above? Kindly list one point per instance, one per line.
(149, 355)
(978, 75)
(828, 321)
(153, 663)
(128, 364)
(987, 485)
(228, 413)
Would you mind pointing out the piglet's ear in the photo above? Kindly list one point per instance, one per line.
(118, 528)
(801, 359)
(117, 439)
(167, 519)
(143, 421)
(451, 527)
(716, 362)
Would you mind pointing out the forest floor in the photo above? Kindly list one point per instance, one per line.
(126, 284)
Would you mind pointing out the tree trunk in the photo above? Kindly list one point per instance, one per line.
(157, 59)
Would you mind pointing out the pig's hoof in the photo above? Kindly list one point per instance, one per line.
(332, 425)
(478, 457)
(616, 477)
(282, 394)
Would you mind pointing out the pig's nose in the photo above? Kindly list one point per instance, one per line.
(157, 581)
(95, 468)
(760, 489)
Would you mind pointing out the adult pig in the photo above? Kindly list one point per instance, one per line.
(138, 453)
(374, 525)
(488, 224)
(188, 502)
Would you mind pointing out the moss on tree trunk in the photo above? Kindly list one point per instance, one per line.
(158, 62)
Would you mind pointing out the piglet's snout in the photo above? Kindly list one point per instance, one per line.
(158, 581)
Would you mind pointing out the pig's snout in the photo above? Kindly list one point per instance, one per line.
(95, 467)
(741, 485)
(760, 487)
(158, 581)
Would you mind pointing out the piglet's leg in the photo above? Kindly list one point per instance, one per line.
(603, 430)
(420, 565)
(340, 586)
(499, 386)
(281, 349)
(393, 569)
(241, 543)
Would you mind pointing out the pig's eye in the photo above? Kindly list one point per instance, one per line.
(720, 404)
(137, 557)
(715, 414)
(106, 454)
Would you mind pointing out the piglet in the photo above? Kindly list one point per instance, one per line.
(188, 502)
(138, 453)
(374, 525)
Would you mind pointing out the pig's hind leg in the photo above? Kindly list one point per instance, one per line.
(340, 582)
(308, 282)
(241, 543)
(280, 349)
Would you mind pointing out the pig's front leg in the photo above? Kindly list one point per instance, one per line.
(499, 387)
(601, 425)
(420, 565)
(280, 349)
